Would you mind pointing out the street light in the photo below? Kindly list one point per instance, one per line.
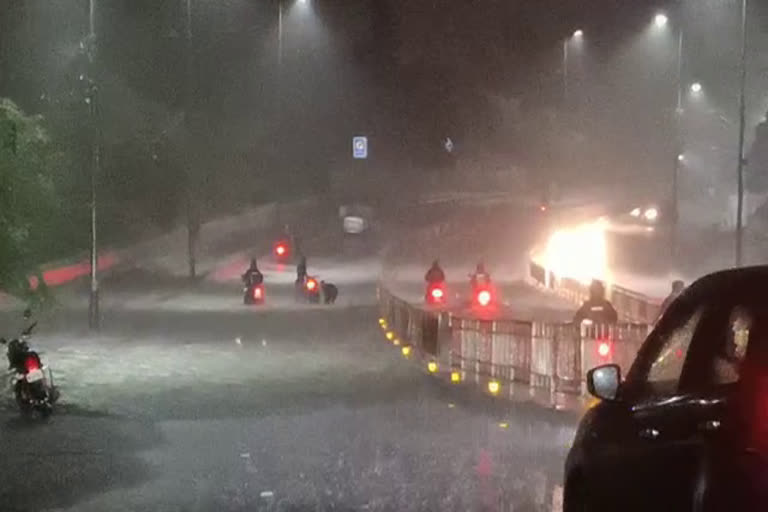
(577, 34)
(660, 20)
(696, 87)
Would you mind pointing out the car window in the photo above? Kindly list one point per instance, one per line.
(668, 359)
(726, 363)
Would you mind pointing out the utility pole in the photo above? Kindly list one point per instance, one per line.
(93, 302)
(675, 213)
(193, 219)
(565, 70)
(742, 126)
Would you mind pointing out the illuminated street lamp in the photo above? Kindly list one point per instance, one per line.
(660, 20)
(578, 33)
(696, 87)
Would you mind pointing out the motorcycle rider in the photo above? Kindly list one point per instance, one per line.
(301, 270)
(480, 277)
(435, 274)
(252, 276)
(597, 308)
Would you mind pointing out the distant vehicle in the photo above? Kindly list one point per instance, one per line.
(253, 294)
(355, 218)
(435, 294)
(282, 251)
(688, 427)
(647, 218)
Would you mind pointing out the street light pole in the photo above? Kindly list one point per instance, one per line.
(193, 219)
(565, 70)
(742, 126)
(93, 302)
(678, 135)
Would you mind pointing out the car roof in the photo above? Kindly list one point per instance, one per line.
(744, 281)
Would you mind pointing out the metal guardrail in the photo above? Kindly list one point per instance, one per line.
(631, 306)
(494, 354)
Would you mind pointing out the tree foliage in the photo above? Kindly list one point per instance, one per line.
(28, 163)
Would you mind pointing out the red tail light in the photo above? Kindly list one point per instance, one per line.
(311, 284)
(257, 292)
(484, 297)
(604, 348)
(437, 293)
(31, 363)
(280, 250)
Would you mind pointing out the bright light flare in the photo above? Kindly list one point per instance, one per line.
(696, 88)
(280, 250)
(578, 253)
(311, 284)
(432, 367)
(604, 349)
(390, 335)
(406, 350)
(484, 298)
(455, 377)
(437, 293)
(651, 214)
(494, 387)
(578, 33)
(636, 212)
(660, 20)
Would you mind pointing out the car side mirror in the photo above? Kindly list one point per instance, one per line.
(603, 381)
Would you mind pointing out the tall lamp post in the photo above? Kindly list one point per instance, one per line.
(93, 302)
(742, 125)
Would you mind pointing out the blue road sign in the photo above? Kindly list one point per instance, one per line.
(360, 147)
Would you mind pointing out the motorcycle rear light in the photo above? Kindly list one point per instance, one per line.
(31, 363)
(437, 293)
(311, 284)
(257, 293)
(484, 298)
(604, 349)
(280, 250)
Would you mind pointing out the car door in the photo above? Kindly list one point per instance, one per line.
(676, 431)
(643, 425)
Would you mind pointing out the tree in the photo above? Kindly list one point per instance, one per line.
(29, 203)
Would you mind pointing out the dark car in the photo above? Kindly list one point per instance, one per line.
(688, 427)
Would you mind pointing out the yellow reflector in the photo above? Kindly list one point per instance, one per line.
(382, 321)
(406, 351)
(493, 387)
(390, 335)
(503, 424)
(432, 367)
(455, 377)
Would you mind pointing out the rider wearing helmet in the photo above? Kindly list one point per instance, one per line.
(435, 274)
(597, 308)
(253, 276)
(480, 277)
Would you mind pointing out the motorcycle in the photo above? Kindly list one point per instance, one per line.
(253, 294)
(311, 290)
(483, 293)
(32, 382)
(435, 294)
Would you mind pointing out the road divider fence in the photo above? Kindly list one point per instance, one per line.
(507, 357)
(632, 306)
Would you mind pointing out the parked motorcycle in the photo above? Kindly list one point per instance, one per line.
(32, 382)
